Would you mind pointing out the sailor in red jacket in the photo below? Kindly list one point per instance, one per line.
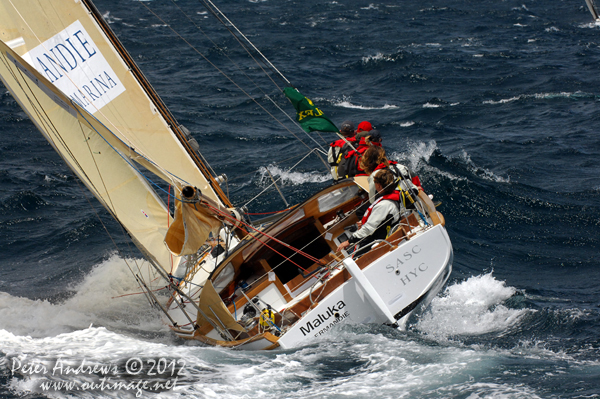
(337, 148)
(350, 164)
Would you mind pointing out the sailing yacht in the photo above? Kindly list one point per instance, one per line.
(276, 283)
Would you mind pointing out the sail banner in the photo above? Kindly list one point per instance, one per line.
(70, 45)
(71, 61)
(85, 145)
(308, 115)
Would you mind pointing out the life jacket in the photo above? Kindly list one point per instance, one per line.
(383, 231)
(336, 154)
(350, 164)
(402, 174)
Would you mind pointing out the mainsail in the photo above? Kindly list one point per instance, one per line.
(72, 46)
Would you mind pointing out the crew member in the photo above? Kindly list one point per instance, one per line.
(350, 164)
(336, 149)
(381, 215)
(363, 129)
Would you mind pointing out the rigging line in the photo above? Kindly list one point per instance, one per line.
(236, 38)
(232, 81)
(279, 178)
(265, 59)
(245, 38)
(129, 144)
(234, 220)
(240, 69)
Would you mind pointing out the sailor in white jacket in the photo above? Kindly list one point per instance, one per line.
(381, 215)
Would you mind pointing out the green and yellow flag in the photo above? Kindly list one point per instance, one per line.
(310, 117)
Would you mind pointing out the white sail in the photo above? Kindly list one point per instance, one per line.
(83, 143)
(592, 6)
(72, 47)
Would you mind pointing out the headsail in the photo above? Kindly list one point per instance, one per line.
(70, 44)
(85, 145)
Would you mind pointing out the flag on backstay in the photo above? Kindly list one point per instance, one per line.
(310, 117)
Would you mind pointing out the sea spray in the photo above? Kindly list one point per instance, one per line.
(471, 307)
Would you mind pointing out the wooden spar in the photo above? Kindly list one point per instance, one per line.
(156, 100)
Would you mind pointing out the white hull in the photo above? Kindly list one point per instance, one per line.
(402, 280)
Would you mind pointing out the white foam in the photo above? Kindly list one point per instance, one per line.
(543, 96)
(417, 153)
(471, 307)
(482, 172)
(593, 25)
(417, 156)
(98, 300)
(347, 104)
(290, 178)
(370, 7)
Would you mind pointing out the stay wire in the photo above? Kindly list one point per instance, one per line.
(239, 42)
(270, 65)
(237, 85)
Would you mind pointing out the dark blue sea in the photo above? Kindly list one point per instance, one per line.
(494, 104)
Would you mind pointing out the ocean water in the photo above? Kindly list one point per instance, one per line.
(494, 104)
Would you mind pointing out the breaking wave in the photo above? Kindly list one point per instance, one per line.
(107, 296)
(481, 172)
(345, 102)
